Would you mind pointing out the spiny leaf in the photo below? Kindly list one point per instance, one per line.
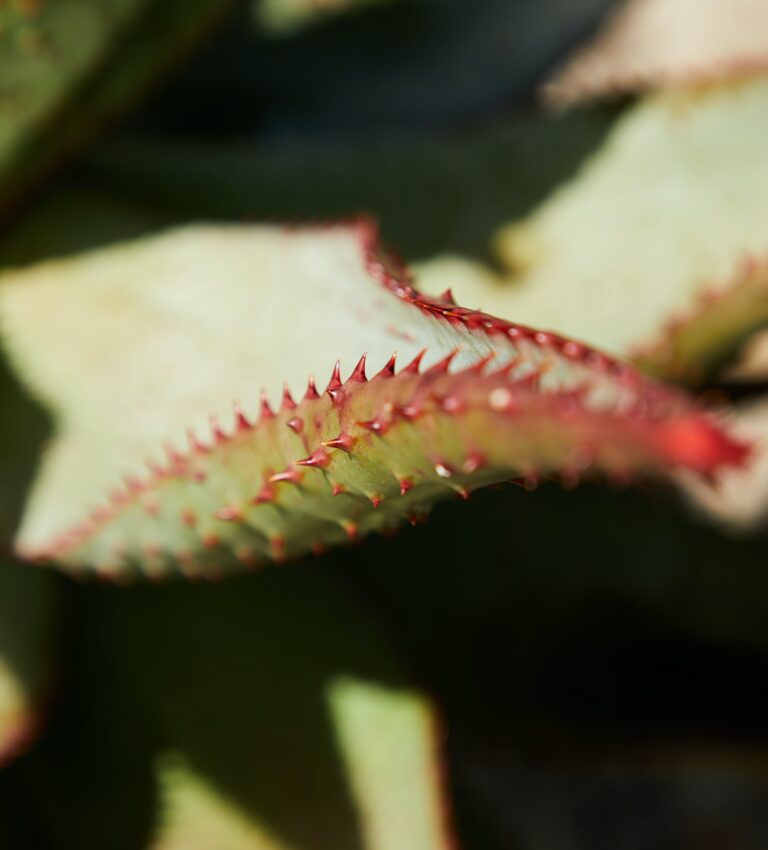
(656, 249)
(172, 329)
(650, 44)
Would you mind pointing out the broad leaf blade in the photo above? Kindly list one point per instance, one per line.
(171, 330)
(651, 44)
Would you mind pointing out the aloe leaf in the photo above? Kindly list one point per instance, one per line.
(26, 619)
(651, 44)
(656, 249)
(171, 330)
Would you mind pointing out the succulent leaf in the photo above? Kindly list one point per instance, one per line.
(188, 322)
(656, 249)
(651, 44)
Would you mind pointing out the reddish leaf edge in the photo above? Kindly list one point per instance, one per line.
(693, 439)
(746, 290)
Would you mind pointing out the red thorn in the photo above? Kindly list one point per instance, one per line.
(462, 492)
(132, 485)
(343, 442)
(447, 297)
(245, 555)
(296, 424)
(196, 446)
(265, 410)
(289, 476)
(375, 500)
(311, 394)
(388, 371)
(241, 421)
(188, 518)
(288, 403)
(479, 367)
(266, 494)
(175, 459)
(442, 365)
(406, 484)
(219, 437)
(351, 528)
(473, 462)
(375, 425)
(211, 540)
(277, 544)
(452, 404)
(413, 367)
(338, 489)
(334, 385)
(229, 513)
(358, 375)
(319, 459)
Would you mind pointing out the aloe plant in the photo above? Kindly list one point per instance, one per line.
(232, 397)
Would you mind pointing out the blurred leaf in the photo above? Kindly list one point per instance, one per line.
(386, 741)
(229, 690)
(284, 16)
(26, 632)
(646, 252)
(67, 66)
(191, 321)
(651, 44)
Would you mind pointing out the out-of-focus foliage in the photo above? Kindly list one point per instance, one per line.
(284, 16)
(653, 44)
(666, 218)
(67, 66)
(244, 684)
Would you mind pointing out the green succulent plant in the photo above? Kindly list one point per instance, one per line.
(217, 398)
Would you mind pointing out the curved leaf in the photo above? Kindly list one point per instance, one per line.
(170, 330)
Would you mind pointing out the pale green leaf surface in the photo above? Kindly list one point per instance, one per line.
(171, 330)
(646, 252)
(651, 44)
